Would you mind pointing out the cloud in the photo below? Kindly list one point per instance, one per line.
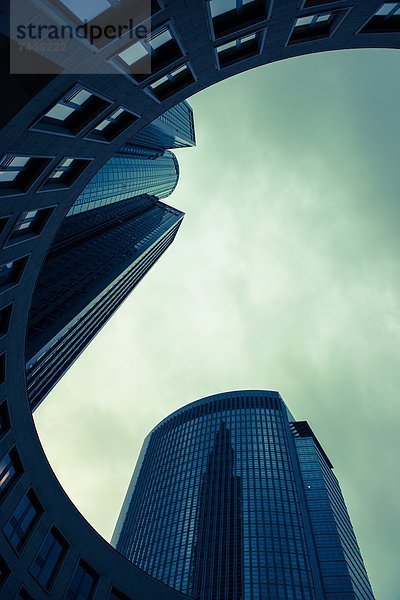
(283, 276)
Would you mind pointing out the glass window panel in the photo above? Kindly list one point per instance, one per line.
(160, 39)
(8, 175)
(83, 583)
(322, 18)
(219, 7)
(159, 81)
(19, 161)
(49, 558)
(247, 38)
(117, 113)
(133, 53)
(304, 21)
(86, 9)
(385, 9)
(81, 97)
(60, 112)
(102, 125)
(226, 46)
(179, 70)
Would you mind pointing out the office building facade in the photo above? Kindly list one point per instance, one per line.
(85, 279)
(232, 499)
(113, 234)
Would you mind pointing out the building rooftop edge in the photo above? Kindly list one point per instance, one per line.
(213, 397)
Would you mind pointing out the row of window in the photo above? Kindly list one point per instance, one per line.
(80, 107)
(19, 173)
(48, 561)
(147, 56)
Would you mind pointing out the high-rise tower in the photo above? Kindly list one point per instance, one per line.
(232, 499)
(113, 234)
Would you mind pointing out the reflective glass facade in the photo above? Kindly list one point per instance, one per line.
(97, 258)
(173, 129)
(129, 173)
(218, 509)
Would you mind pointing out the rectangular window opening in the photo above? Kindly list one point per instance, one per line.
(19, 173)
(239, 49)
(314, 27)
(10, 470)
(148, 56)
(29, 224)
(65, 173)
(11, 273)
(72, 113)
(173, 82)
(386, 19)
(84, 582)
(23, 520)
(113, 125)
(229, 16)
(49, 559)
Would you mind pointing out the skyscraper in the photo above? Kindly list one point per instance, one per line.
(232, 499)
(113, 234)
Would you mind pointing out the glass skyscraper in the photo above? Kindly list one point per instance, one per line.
(113, 234)
(232, 499)
(131, 172)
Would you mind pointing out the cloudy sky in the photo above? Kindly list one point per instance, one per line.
(284, 276)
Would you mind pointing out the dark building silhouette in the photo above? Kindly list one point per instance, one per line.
(96, 260)
(217, 552)
(234, 499)
(113, 234)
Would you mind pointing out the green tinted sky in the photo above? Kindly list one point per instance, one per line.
(284, 275)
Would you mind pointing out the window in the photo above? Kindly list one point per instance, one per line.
(4, 419)
(172, 83)
(23, 520)
(151, 54)
(29, 224)
(86, 11)
(239, 49)
(314, 27)
(49, 559)
(110, 15)
(18, 173)
(83, 583)
(232, 15)
(385, 20)
(5, 318)
(66, 173)
(4, 571)
(72, 113)
(113, 125)
(10, 469)
(11, 272)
